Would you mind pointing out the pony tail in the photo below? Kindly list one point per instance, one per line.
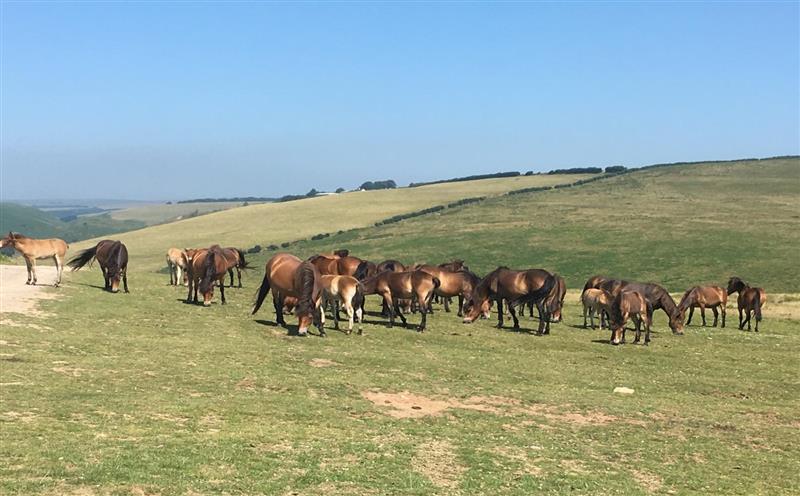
(436, 283)
(262, 293)
(242, 261)
(305, 303)
(757, 306)
(83, 258)
(362, 270)
(358, 297)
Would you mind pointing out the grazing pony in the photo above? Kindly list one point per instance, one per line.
(703, 297)
(289, 276)
(393, 286)
(344, 289)
(113, 259)
(630, 304)
(461, 284)
(442, 272)
(208, 266)
(554, 300)
(657, 296)
(178, 263)
(596, 300)
(236, 256)
(37, 249)
(515, 286)
(751, 300)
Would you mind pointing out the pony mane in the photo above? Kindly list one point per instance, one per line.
(305, 303)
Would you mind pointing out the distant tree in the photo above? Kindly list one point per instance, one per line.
(246, 204)
(169, 203)
(340, 190)
(615, 169)
(313, 192)
(372, 185)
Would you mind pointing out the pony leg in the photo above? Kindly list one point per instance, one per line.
(648, 324)
(30, 274)
(460, 305)
(424, 311)
(59, 269)
(691, 314)
(335, 304)
(190, 284)
(277, 302)
(33, 271)
(348, 306)
(716, 316)
(584, 318)
(499, 313)
(637, 321)
(724, 311)
(387, 300)
(514, 314)
(222, 289)
(399, 313)
(125, 279)
(741, 322)
(703, 314)
(446, 304)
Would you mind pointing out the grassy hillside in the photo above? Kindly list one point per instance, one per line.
(678, 225)
(161, 213)
(143, 394)
(274, 223)
(40, 224)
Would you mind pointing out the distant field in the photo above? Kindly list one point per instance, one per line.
(274, 223)
(160, 213)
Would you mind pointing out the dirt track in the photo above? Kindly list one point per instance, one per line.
(18, 297)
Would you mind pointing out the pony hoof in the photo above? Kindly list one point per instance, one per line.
(360, 332)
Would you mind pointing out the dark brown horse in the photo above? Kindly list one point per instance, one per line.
(657, 297)
(113, 259)
(207, 266)
(237, 256)
(289, 276)
(594, 282)
(554, 300)
(750, 300)
(460, 283)
(703, 297)
(392, 286)
(517, 287)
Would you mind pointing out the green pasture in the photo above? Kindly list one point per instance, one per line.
(141, 393)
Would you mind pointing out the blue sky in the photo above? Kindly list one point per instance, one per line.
(181, 100)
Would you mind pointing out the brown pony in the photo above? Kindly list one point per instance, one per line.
(461, 284)
(236, 256)
(392, 286)
(336, 265)
(113, 259)
(178, 263)
(515, 286)
(208, 265)
(37, 249)
(291, 277)
(344, 289)
(656, 296)
(630, 304)
(594, 282)
(392, 265)
(703, 297)
(596, 300)
(554, 301)
(751, 300)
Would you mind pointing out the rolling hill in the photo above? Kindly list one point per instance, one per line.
(680, 225)
(40, 224)
(275, 223)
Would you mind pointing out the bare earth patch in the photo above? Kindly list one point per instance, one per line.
(322, 362)
(436, 460)
(18, 297)
(409, 405)
(650, 482)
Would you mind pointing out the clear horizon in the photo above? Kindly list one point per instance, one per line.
(172, 101)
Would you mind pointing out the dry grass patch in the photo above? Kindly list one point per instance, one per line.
(436, 460)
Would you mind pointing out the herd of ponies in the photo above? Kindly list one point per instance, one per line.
(309, 287)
